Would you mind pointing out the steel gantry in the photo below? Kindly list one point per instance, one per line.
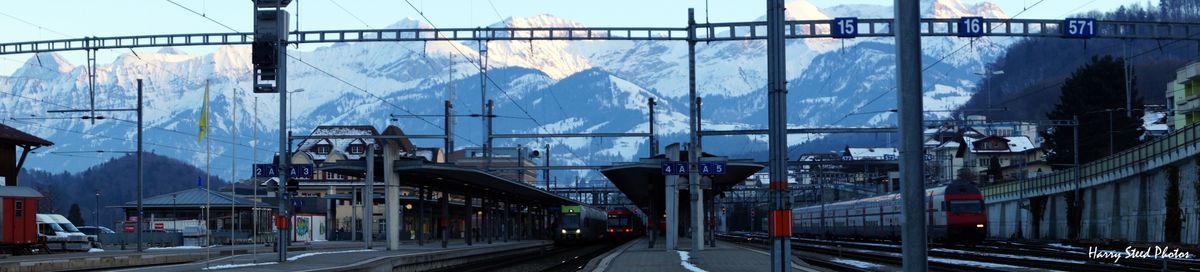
(704, 32)
(774, 31)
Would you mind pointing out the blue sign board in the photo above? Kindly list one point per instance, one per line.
(928, 157)
(674, 168)
(889, 157)
(297, 203)
(970, 27)
(1079, 28)
(712, 168)
(844, 27)
(271, 171)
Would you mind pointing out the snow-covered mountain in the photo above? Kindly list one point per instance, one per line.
(577, 86)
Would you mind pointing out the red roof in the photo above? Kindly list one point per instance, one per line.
(10, 135)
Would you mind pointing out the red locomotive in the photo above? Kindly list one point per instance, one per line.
(624, 224)
(953, 211)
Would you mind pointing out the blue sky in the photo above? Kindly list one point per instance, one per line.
(57, 19)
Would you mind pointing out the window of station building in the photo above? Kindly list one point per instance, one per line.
(322, 149)
(18, 208)
(356, 149)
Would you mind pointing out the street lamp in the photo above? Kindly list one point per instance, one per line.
(290, 107)
(96, 211)
(985, 73)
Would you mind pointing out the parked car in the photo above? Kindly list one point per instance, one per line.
(99, 232)
(71, 229)
(96, 230)
(58, 238)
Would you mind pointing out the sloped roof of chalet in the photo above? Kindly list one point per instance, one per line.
(1015, 144)
(10, 135)
(877, 152)
(338, 144)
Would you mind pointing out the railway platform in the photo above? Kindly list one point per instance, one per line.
(335, 256)
(636, 256)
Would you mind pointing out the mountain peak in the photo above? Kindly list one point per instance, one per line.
(44, 66)
(409, 23)
(955, 9)
(803, 10)
(540, 20)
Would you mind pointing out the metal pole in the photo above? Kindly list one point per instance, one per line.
(449, 128)
(520, 163)
(281, 83)
(487, 145)
(469, 219)
(1128, 83)
(368, 197)
(233, 169)
(546, 172)
(140, 175)
(1110, 132)
(697, 209)
(912, 187)
(781, 214)
(1075, 142)
(653, 139)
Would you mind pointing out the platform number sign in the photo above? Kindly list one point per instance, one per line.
(674, 168)
(889, 157)
(271, 170)
(1079, 28)
(712, 168)
(970, 27)
(844, 27)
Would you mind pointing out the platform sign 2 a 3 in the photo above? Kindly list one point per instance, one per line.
(295, 171)
(674, 168)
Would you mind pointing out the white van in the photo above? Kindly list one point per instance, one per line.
(58, 238)
(72, 230)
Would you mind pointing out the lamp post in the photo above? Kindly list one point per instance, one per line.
(985, 73)
(290, 107)
(174, 213)
(96, 211)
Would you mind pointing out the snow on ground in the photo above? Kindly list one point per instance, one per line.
(95, 250)
(228, 266)
(176, 247)
(1057, 245)
(976, 264)
(1043, 259)
(305, 255)
(683, 260)
(859, 264)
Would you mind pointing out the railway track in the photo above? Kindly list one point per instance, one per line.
(993, 255)
(555, 259)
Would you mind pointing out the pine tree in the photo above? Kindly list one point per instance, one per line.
(1095, 93)
(74, 216)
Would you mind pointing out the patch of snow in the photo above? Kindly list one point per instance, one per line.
(1057, 245)
(1040, 259)
(175, 247)
(228, 266)
(310, 254)
(859, 264)
(95, 250)
(974, 263)
(683, 260)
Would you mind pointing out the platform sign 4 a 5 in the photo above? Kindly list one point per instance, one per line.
(674, 168)
(712, 168)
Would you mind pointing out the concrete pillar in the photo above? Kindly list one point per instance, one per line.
(444, 221)
(468, 218)
(391, 194)
(672, 200)
(507, 219)
(422, 196)
(488, 222)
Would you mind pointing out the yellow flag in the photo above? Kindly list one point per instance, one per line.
(203, 115)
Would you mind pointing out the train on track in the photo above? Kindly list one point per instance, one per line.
(954, 213)
(624, 224)
(579, 224)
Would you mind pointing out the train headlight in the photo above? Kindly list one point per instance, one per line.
(564, 231)
(979, 225)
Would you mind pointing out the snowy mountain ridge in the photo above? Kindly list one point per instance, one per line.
(576, 86)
